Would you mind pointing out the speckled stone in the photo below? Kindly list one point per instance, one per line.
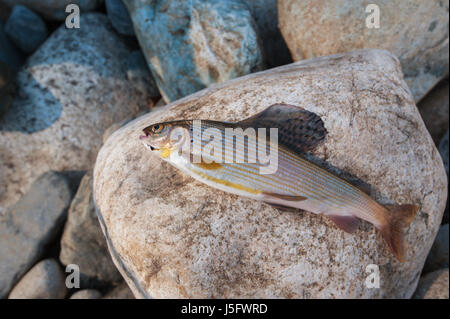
(45, 280)
(415, 31)
(29, 226)
(71, 89)
(190, 45)
(171, 236)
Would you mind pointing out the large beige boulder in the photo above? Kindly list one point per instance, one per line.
(172, 236)
(416, 31)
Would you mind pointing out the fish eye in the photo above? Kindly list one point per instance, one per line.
(157, 128)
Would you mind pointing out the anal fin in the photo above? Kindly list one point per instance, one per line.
(347, 223)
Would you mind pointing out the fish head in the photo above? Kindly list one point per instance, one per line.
(165, 137)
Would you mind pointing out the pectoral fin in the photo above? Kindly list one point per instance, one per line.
(298, 129)
(347, 223)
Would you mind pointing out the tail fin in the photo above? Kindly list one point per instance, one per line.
(399, 217)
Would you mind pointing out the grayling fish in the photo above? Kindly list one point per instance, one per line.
(296, 182)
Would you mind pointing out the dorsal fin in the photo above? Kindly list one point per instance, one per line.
(298, 129)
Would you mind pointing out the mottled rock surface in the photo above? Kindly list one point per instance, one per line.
(86, 294)
(28, 227)
(438, 256)
(83, 243)
(119, 17)
(44, 281)
(55, 9)
(265, 14)
(433, 286)
(434, 108)
(171, 236)
(415, 31)
(26, 29)
(198, 42)
(71, 89)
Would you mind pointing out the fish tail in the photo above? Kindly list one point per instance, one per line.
(398, 217)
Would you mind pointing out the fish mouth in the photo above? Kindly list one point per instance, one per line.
(146, 144)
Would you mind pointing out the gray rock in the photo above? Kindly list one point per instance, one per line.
(190, 45)
(86, 294)
(30, 225)
(55, 9)
(26, 29)
(438, 256)
(415, 31)
(9, 54)
(434, 110)
(44, 281)
(122, 291)
(71, 89)
(173, 237)
(119, 17)
(443, 149)
(265, 13)
(83, 243)
(433, 286)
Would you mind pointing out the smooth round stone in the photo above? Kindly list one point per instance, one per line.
(415, 31)
(174, 237)
(44, 281)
